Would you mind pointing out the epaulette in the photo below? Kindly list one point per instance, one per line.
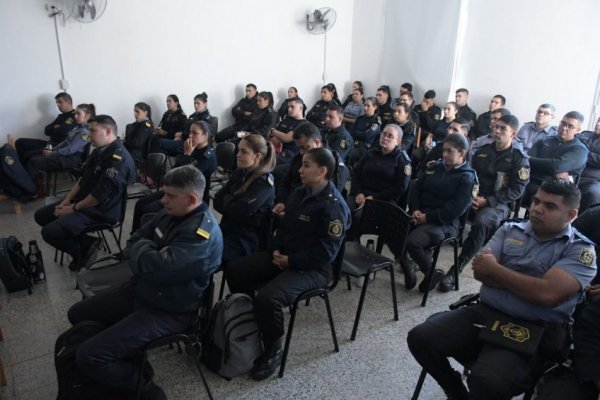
(206, 226)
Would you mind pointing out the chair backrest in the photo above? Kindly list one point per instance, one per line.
(387, 221)
(225, 156)
(214, 127)
(155, 166)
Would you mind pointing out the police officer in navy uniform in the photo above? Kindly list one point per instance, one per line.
(96, 197)
(436, 202)
(317, 114)
(307, 136)
(56, 131)
(198, 152)
(384, 110)
(429, 113)
(336, 136)
(246, 200)
(139, 133)
(283, 132)
(365, 130)
(172, 260)
(533, 273)
(172, 121)
(242, 113)
(307, 242)
(464, 111)
(503, 174)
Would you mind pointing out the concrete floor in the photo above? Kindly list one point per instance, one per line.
(377, 365)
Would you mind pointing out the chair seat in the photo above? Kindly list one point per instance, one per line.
(359, 260)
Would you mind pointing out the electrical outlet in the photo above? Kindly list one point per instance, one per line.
(64, 84)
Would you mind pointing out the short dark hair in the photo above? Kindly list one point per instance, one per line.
(511, 121)
(105, 120)
(463, 90)
(323, 157)
(464, 123)
(575, 115)
(252, 85)
(410, 95)
(187, 178)
(359, 83)
(564, 188)
(64, 95)
(360, 90)
(430, 94)
(334, 107)
(458, 141)
(308, 131)
(295, 100)
(407, 85)
(503, 111)
(502, 98)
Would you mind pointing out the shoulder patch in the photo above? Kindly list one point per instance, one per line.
(112, 172)
(86, 137)
(475, 190)
(336, 228)
(343, 144)
(148, 124)
(587, 256)
(8, 160)
(407, 170)
(523, 173)
(271, 180)
(69, 121)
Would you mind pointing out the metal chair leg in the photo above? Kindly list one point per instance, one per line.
(288, 339)
(360, 305)
(456, 272)
(199, 365)
(394, 300)
(436, 254)
(348, 282)
(141, 374)
(419, 386)
(331, 325)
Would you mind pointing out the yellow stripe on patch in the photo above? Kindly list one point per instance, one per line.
(203, 233)
(116, 157)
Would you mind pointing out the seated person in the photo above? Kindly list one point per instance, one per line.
(429, 113)
(95, 198)
(355, 85)
(173, 120)
(171, 272)
(439, 130)
(242, 113)
(482, 126)
(503, 172)
(70, 153)
(589, 184)
(533, 273)
(138, 134)
(385, 112)
(198, 152)
(307, 242)
(541, 128)
(458, 126)
(175, 147)
(436, 201)
(383, 173)
(354, 109)
(263, 119)
(408, 99)
(316, 115)
(283, 109)
(283, 132)
(246, 199)
(365, 130)
(336, 136)
(561, 156)
(306, 136)
(489, 137)
(464, 111)
(402, 118)
(56, 131)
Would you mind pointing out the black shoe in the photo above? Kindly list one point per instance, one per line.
(151, 391)
(447, 284)
(409, 269)
(75, 264)
(267, 363)
(90, 253)
(458, 391)
(438, 275)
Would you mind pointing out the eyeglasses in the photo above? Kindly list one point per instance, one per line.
(564, 124)
(545, 113)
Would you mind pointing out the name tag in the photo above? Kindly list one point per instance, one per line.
(303, 217)
(158, 233)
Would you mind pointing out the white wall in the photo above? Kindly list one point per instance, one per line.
(532, 52)
(143, 50)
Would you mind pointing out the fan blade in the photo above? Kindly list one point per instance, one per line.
(91, 8)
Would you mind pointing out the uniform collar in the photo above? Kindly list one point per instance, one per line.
(566, 232)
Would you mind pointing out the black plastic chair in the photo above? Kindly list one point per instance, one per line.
(390, 224)
(225, 152)
(306, 296)
(192, 339)
(154, 167)
(214, 128)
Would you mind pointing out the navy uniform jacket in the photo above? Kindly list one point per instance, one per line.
(444, 195)
(340, 141)
(174, 280)
(197, 116)
(482, 126)
(592, 167)
(137, 138)
(386, 114)
(205, 160)
(502, 176)
(428, 118)
(261, 122)
(313, 228)
(106, 174)
(385, 177)
(245, 215)
(72, 151)
(245, 104)
(366, 129)
(173, 122)
(58, 129)
(286, 125)
(291, 181)
(408, 135)
(467, 113)
(317, 113)
(550, 156)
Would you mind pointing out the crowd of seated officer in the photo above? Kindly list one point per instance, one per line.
(138, 134)
(242, 113)
(282, 111)
(365, 130)
(282, 135)
(316, 115)
(173, 120)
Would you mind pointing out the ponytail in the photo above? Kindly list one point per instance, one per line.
(260, 145)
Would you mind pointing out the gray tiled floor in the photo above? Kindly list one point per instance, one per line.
(377, 365)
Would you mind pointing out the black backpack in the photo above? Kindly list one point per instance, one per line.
(14, 268)
(72, 383)
(14, 179)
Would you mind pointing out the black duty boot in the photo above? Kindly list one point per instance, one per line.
(438, 275)
(458, 391)
(409, 269)
(447, 283)
(151, 391)
(268, 362)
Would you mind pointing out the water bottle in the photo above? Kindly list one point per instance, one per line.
(36, 263)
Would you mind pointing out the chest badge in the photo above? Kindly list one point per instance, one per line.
(303, 217)
(523, 173)
(9, 160)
